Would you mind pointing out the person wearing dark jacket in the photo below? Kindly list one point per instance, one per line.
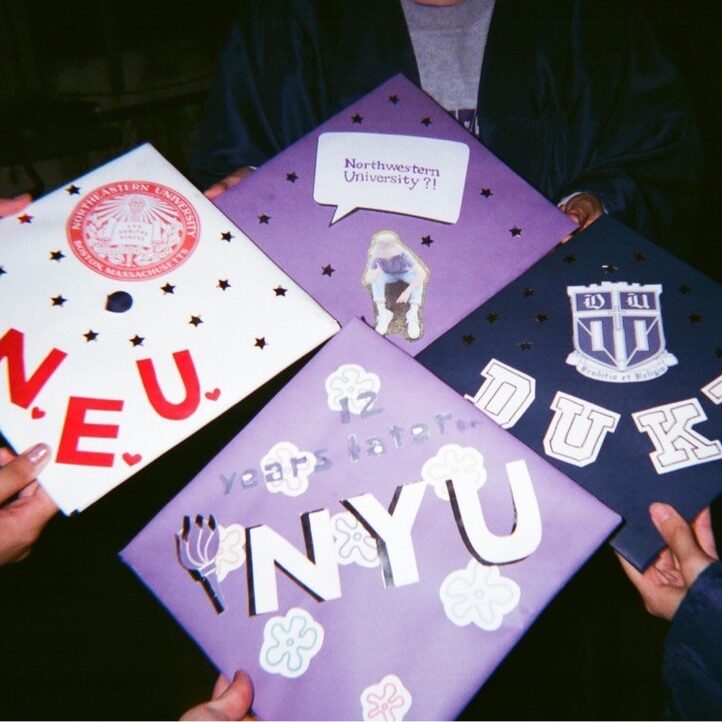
(575, 96)
(684, 586)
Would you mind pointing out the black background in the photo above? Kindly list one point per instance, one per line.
(80, 637)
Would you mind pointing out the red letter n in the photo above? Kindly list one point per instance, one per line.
(23, 391)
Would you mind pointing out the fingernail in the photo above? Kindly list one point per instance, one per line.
(37, 453)
(660, 512)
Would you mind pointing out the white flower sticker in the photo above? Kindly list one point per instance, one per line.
(387, 700)
(286, 469)
(478, 595)
(231, 554)
(352, 387)
(463, 464)
(354, 544)
(290, 643)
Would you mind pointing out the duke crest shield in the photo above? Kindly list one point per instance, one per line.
(618, 332)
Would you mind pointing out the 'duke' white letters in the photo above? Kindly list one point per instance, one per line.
(578, 428)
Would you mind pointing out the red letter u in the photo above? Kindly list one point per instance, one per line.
(164, 408)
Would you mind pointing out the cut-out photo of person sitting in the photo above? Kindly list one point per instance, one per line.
(397, 279)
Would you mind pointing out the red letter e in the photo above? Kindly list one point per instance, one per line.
(76, 427)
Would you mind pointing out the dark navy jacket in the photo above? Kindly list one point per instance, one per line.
(575, 95)
(692, 663)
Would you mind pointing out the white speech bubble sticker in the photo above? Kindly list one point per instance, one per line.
(404, 174)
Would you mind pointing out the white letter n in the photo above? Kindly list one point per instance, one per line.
(317, 572)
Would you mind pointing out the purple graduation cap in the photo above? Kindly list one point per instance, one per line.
(392, 212)
(370, 546)
(606, 358)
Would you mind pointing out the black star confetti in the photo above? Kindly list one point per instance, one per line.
(73, 190)
(137, 340)
(25, 218)
(56, 256)
(526, 345)
(684, 289)
(357, 118)
(695, 318)
(2, 271)
(609, 268)
(426, 121)
(468, 339)
(542, 317)
(291, 177)
(263, 218)
(570, 258)
(393, 99)
(223, 284)
(168, 288)
(260, 343)
(280, 291)
(528, 292)
(639, 256)
(227, 236)
(426, 240)
(328, 270)
(58, 300)
(486, 192)
(492, 317)
(515, 231)
(91, 336)
(195, 321)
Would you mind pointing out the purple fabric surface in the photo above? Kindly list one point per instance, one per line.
(504, 224)
(404, 418)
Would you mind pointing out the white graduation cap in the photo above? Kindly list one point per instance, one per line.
(132, 313)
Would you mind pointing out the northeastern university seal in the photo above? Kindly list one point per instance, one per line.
(133, 230)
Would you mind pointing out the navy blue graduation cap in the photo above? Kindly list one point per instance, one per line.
(606, 358)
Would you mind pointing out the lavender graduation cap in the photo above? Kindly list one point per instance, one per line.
(370, 546)
(395, 170)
